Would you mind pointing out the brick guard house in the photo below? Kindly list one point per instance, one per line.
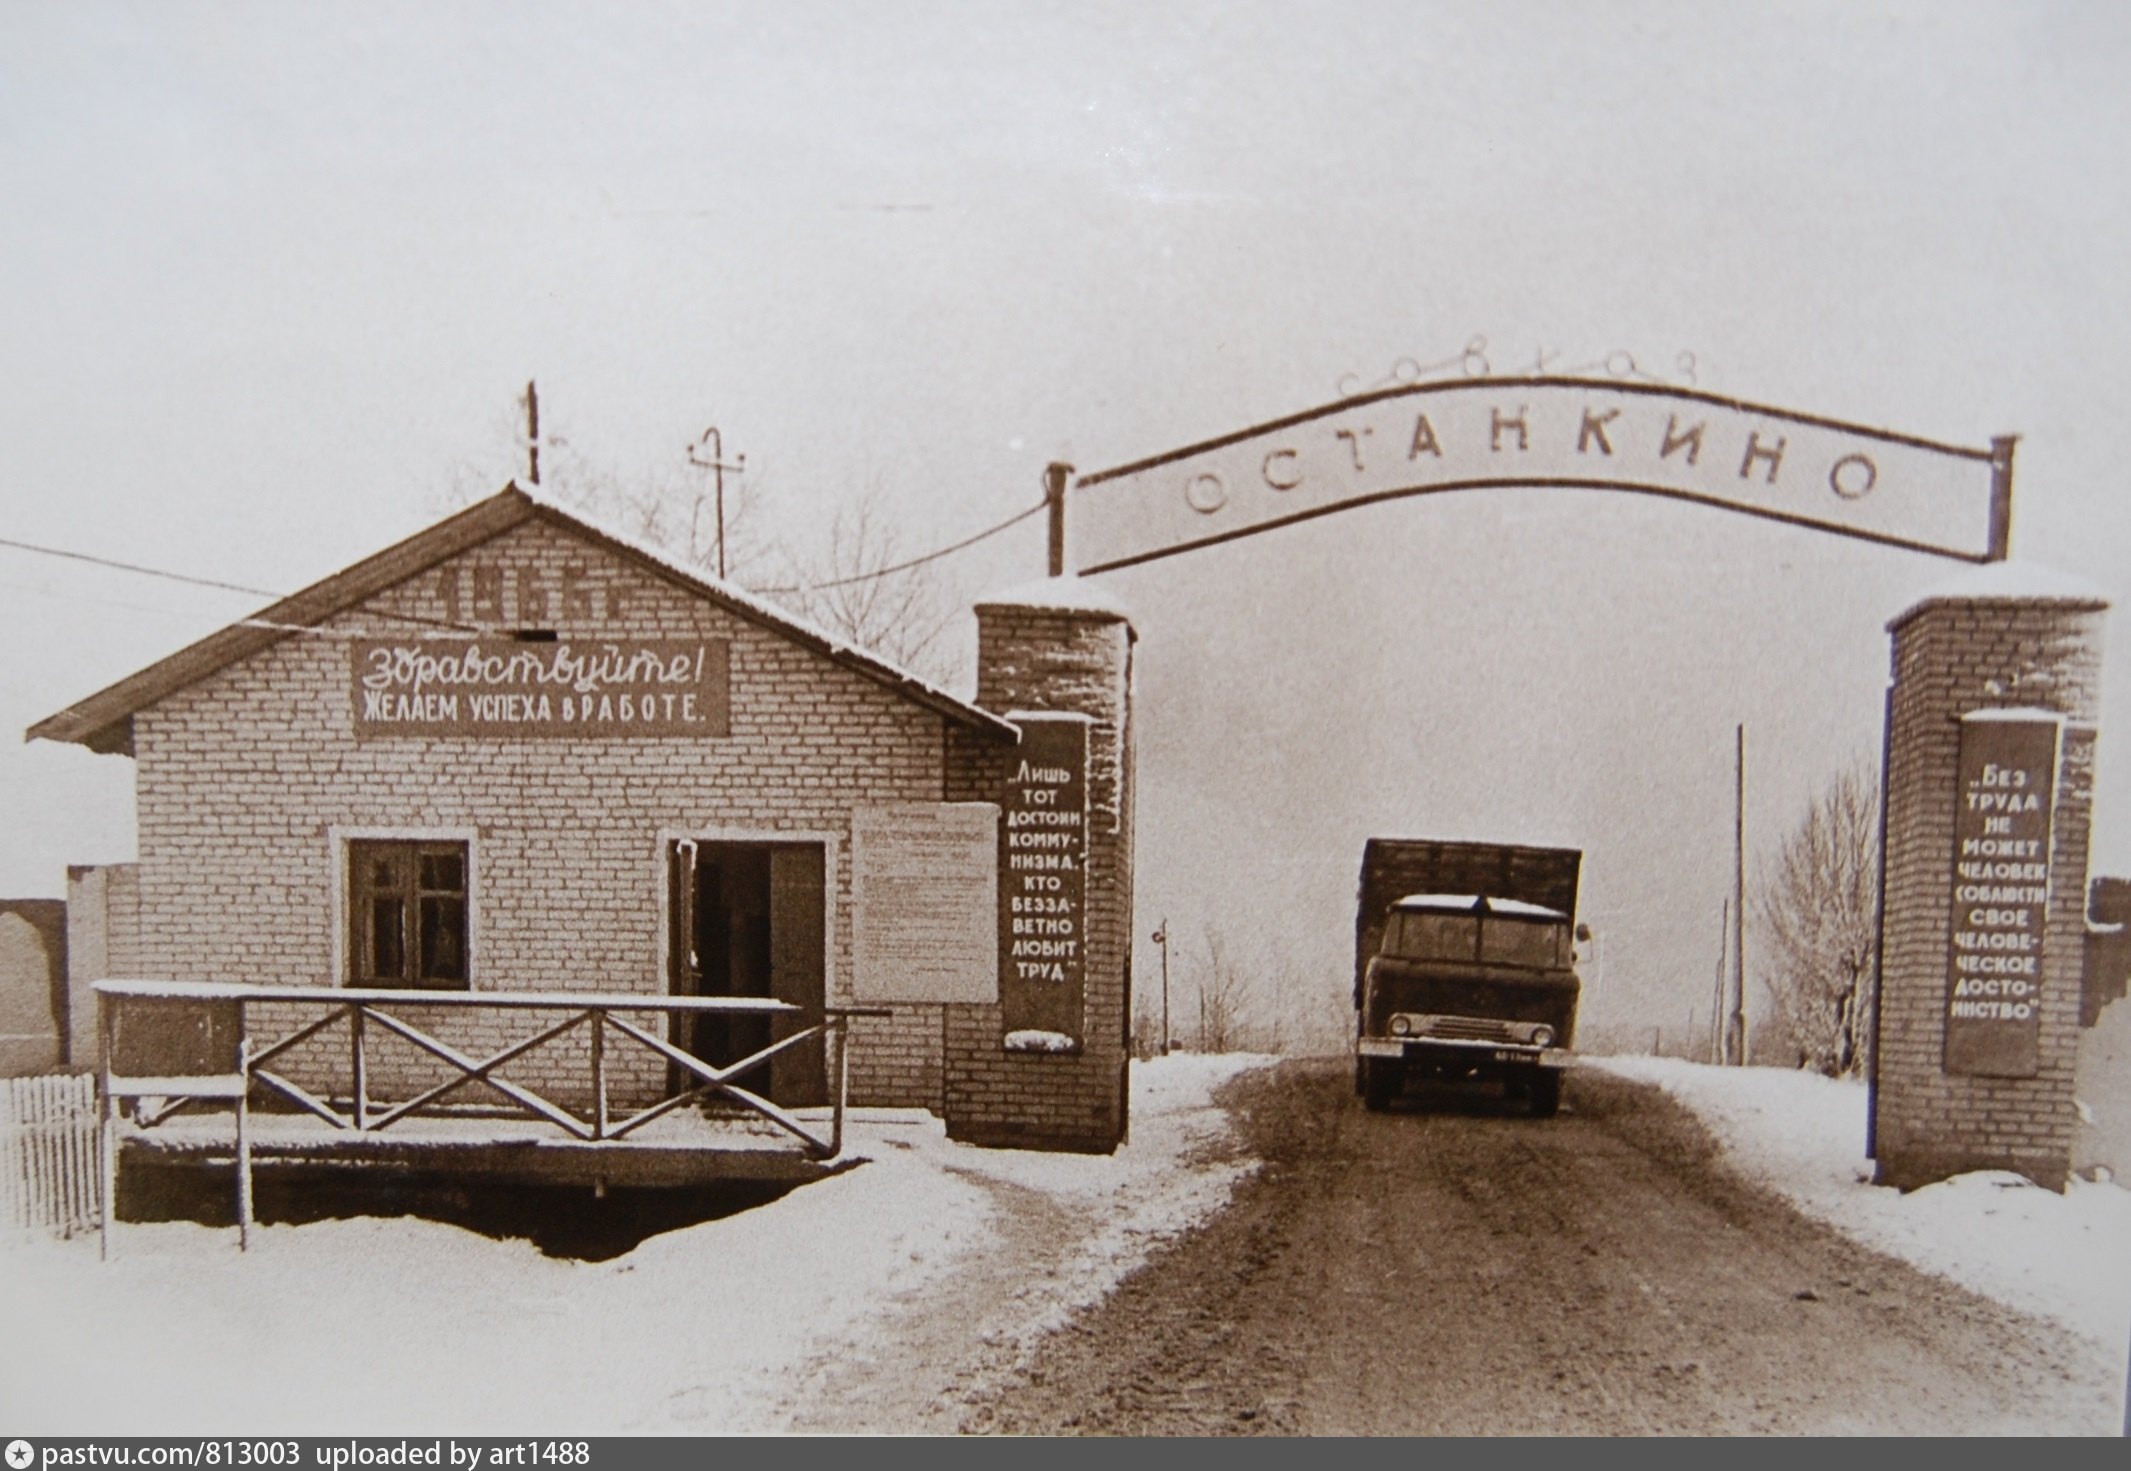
(521, 752)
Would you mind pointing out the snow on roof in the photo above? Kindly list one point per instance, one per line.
(2011, 580)
(1017, 716)
(103, 721)
(652, 551)
(1061, 594)
(837, 646)
(2014, 712)
(1476, 901)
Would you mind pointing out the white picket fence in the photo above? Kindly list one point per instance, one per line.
(50, 1182)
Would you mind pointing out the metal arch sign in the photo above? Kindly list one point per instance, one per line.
(1566, 433)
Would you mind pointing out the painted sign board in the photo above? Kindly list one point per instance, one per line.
(488, 688)
(924, 895)
(2003, 816)
(1043, 885)
(1550, 432)
(173, 1039)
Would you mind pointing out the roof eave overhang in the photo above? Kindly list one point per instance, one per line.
(104, 721)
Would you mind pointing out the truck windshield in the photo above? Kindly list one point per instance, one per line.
(1412, 936)
(1522, 941)
(1497, 940)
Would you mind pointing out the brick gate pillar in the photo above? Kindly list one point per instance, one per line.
(1989, 775)
(1046, 1067)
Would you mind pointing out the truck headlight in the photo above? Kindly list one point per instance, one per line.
(1542, 1035)
(1401, 1025)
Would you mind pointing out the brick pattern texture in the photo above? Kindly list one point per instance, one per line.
(249, 780)
(1950, 657)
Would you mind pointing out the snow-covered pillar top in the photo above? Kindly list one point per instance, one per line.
(1058, 644)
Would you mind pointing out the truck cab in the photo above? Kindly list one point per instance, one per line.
(1468, 986)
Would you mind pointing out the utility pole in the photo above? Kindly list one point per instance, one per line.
(1716, 989)
(1161, 938)
(1054, 493)
(532, 432)
(1735, 1028)
(717, 466)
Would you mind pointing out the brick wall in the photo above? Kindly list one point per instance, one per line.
(1952, 656)
(249, 780)
(1068, 662)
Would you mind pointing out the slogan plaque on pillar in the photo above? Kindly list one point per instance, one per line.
(2004, 804)
(1043, 885)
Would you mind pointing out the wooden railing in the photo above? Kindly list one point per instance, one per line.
(184, 1042)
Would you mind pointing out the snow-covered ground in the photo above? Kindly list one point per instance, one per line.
(377, 1326)
(387, 1326)
(2065, 1257)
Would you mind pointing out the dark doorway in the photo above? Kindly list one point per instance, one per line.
(748, 919)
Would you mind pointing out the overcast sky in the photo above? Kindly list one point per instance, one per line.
(274, 275)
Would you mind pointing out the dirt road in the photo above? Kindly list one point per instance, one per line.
(1466, 1271)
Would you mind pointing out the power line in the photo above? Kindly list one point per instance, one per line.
(256, 592)
(932, 556)
(164, 610)
(24, 546)
(75, 599)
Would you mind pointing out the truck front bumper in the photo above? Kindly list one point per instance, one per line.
(1468, 1054)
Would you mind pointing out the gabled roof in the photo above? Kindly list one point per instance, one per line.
(104, 721)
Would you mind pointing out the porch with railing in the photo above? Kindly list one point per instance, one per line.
(173, 1046)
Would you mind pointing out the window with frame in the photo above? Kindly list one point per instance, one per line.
(1424, 935)
(1536, 943)
(407, 913)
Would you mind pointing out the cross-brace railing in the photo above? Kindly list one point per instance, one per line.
(193, 1043)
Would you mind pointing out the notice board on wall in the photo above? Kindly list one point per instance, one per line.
(2004, 810)
(924, 894)
(1043, 888)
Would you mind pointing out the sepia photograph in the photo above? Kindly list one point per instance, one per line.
(946, 720)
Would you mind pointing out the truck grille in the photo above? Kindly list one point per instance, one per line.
(1464, 1028)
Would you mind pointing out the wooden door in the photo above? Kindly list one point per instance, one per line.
(798, 931)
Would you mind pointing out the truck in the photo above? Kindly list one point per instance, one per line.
(1464, 968)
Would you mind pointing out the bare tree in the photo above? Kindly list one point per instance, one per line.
(865, 589)
(1331, 1020)
(1817, 913)
(674, 507)
(1225, 1011)
(1146, 1021)
(1301, 1009)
